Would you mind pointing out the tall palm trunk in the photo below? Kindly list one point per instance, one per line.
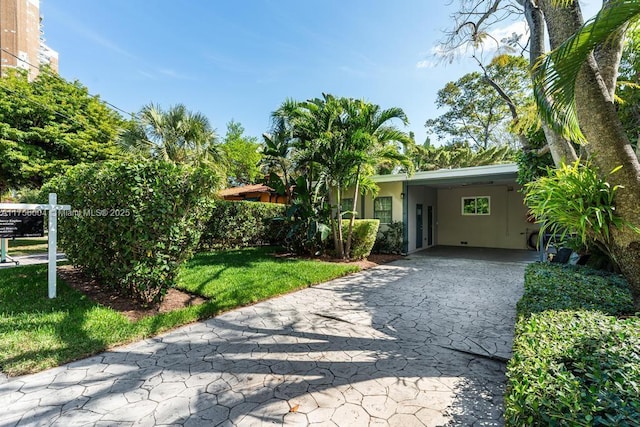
(353, 215)
(336, 222)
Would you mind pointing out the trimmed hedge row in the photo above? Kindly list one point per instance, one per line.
(574, 363)
(133, 224)
(242, 224)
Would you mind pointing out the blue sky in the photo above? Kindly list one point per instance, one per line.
(240, 59)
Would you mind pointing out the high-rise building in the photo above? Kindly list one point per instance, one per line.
(22, 44)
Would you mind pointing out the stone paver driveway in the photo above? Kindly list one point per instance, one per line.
(421, 341)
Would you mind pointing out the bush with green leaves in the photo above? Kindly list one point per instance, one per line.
(133, 224)
(389, 241)
(364, 236)
(242, 224)
(570, 287)
(574, 200)
(574, 363)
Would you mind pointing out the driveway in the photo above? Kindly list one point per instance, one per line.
(421, 341)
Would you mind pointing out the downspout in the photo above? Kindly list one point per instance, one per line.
(405, 218)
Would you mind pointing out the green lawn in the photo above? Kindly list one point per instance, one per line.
(37, 333)
(27, 246)
(245, 276)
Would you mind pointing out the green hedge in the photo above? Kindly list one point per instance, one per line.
(241, 224)
(574, 363)
(364, 236)
(133, 224)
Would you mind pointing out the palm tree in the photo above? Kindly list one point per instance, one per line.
(575, 92)
(371, 141)
(176, 135)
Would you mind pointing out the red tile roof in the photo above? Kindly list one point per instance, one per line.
(236, 191)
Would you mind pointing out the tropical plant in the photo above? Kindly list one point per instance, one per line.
(333, 144)
(176, 135)
(575, 200)
(575, 90)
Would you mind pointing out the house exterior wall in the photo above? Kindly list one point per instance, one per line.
(387, 189)
(505, 226)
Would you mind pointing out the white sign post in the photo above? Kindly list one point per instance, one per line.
(53, 207)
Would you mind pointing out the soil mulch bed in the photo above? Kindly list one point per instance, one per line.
(175, 299)
(109, 297)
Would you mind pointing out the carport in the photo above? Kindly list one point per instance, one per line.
(471, 207)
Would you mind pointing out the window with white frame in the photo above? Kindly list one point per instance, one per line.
(479, 205)
(382, 209)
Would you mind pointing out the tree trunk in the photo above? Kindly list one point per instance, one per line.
(608, 148)
(562, 151)
(608, 145)
(336, 222)
(347, 250)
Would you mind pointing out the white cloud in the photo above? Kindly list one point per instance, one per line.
(425, 63)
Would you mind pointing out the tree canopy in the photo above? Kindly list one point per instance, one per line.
(48, 125)
(176, 134)
(477, 106)
(242, 155)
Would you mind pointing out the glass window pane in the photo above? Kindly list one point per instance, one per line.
(482, 206)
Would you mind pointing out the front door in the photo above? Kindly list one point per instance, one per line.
(429, 226)
(418, 226)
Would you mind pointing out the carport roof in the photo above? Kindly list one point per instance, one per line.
(492, 174)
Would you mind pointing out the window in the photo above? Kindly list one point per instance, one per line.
(476, 205)
(382, 209)
(346, 205)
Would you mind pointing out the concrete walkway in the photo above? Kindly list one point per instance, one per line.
(31, 259)
(417, 342)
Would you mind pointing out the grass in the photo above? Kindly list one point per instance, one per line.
(27, 246)
(37, 333)
(240, 277)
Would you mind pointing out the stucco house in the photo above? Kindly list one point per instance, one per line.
(478, 206)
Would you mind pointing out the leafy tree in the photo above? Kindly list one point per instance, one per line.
(176, 135)
(477, 105)
(427, 157)
(48, 125)
(242, 155)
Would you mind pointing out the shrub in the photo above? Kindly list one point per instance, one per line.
(575, 200)
(364, 236)
(133, 224)
(390, 240)
(242, 224)
(573, 363)
(568, 287)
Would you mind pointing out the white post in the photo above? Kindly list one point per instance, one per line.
(3, 249)
(53, 242)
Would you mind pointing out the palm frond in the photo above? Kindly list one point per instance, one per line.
(555, 73)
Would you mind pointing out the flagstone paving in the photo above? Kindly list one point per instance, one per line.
(419, 342)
